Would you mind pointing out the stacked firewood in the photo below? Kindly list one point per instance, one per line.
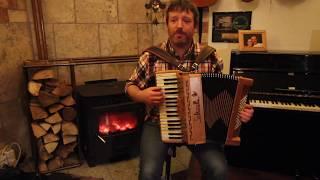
(53, 112)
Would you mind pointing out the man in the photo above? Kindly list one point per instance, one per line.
(249, 42)
(255, 43)
(181, 19)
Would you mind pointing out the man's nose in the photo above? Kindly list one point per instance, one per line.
(180, 24)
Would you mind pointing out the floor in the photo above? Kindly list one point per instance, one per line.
(128, 169)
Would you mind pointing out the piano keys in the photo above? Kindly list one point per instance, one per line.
(170, 122)
(286, 101)
(284, 105)
(282, 135)
(174, 127)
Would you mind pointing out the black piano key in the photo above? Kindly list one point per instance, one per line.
(174, 121)
(172, 116)
(170, 79)
(169, 83)
(174, 137)
(172, 128)
(174, 133)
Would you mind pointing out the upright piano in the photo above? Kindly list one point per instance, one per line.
(283, 134)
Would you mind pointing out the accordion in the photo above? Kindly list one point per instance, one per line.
(201, 106)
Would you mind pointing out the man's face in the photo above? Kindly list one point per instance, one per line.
(181, 27)
(249, 42)
(254, 39)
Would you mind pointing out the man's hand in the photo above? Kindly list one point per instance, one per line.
(247, 113)
(151, 96)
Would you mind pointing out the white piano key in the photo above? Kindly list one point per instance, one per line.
(170, 126)
(172, 132)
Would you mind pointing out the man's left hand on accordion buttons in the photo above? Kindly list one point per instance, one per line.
(247, 113)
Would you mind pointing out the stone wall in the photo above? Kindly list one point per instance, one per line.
(86, 28)
(15, 47)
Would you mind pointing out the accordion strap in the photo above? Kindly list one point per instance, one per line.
(162, 54)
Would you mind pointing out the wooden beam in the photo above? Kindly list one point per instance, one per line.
(39, 29)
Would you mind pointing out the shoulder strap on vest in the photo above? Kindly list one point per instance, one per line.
(162, 54)
(203, 55)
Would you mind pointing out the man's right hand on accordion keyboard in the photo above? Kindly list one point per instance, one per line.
(247, 113)
(152, 96)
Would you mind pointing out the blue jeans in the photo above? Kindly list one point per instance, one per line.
(153, 152)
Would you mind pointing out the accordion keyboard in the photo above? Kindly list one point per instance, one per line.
(170, 123)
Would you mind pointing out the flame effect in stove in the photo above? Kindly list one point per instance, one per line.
(112, 122)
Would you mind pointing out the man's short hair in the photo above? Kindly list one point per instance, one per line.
(183, 5)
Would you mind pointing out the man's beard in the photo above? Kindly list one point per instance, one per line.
(180, 42)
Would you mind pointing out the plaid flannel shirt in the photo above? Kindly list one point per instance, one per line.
(148, 64)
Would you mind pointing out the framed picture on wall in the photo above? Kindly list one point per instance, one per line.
(225, 25)
(252, 40)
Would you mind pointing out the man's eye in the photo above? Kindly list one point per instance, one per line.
(173, 20)
(187, 20)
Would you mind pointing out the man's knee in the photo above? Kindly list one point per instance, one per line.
(220, 172)
(216, 171)
(149, 173)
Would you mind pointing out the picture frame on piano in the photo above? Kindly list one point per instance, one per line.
(252, 40)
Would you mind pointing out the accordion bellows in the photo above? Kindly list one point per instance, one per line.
(201, 106)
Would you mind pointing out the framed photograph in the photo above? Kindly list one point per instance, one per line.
(225, 25)
(252, 40)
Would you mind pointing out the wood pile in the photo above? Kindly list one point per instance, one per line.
(53, 112)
